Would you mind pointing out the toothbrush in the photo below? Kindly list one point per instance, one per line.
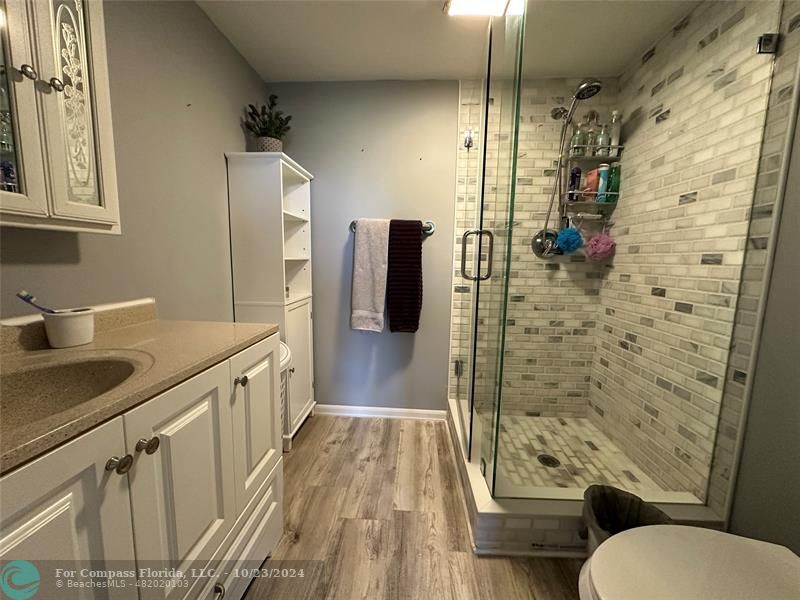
(26, 296)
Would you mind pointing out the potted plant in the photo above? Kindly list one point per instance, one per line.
(267, 126)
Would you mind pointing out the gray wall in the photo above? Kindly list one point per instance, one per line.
(377, 149)
(177, 91)
(767, 499)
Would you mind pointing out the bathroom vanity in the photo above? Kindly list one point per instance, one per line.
(175, 466)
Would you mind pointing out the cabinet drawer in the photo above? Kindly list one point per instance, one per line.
(257, 538)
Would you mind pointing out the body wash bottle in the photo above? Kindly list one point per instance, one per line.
(579, 139)
(603, 140)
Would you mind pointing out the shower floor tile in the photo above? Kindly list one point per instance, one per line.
(586, 455)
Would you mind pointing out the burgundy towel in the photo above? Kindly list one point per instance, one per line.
(404, 276)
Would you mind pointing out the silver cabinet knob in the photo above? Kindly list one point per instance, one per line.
(219, 591)
(28, 71)
(56, 84)
(241, 381)
(148, 446)
(120, 465)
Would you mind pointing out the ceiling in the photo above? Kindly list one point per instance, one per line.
(349, 40)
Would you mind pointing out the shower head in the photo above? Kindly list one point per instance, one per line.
(587, 89)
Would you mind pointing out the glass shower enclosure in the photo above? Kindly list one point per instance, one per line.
(484, 220)
(628, 371)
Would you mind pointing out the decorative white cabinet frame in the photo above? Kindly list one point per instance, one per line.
(57, 167)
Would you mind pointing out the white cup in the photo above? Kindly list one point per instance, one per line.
(70, 327)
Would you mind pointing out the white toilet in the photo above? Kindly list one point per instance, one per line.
(674, 562)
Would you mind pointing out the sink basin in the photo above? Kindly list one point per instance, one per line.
(38, 387)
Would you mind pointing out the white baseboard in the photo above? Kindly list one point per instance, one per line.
(344, 410)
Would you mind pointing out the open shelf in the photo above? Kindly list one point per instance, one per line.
(292, 177)
(296, 217)
(296, 258)
(589, 156)
(297, 278)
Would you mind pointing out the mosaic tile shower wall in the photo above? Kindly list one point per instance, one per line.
(641, 345)
(759, 237)
(549, 327)
(552, 304)
(694, 114)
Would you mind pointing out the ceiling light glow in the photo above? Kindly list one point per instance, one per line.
(516, 8)
(477, 8)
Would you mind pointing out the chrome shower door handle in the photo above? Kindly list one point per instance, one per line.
(464, 239)
(489, 254)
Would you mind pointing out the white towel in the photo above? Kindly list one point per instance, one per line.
(370, 259)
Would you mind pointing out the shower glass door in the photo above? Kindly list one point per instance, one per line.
(497, 218)
(469, 193)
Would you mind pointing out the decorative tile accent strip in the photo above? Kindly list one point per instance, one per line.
(729, 23)
(711, 259)
(709, 39)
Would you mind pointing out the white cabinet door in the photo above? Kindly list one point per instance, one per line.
(299, 337)
(256, 416)
(76, 111)
(182, 495)
(22, 179)
(66, 510)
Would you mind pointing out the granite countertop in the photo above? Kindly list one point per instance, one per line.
(164, 353)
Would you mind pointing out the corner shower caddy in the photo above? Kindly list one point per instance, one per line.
(589, 210)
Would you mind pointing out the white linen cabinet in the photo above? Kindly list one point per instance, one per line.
(57, 167)
(269, 197)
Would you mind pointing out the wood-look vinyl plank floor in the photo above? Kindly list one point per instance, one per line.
(374, 510)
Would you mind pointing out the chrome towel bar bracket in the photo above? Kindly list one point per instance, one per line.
(428, 228)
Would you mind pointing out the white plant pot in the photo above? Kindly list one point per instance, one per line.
(70, 327)
(268, 144)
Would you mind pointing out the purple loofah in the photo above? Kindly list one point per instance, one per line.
(569, 240)
(601, 247)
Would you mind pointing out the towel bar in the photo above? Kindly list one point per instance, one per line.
(428, 228)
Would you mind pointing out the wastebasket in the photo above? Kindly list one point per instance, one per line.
(608, 511)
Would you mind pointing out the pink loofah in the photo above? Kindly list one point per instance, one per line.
(601, 247)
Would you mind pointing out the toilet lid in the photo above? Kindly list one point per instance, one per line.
(669, 562)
